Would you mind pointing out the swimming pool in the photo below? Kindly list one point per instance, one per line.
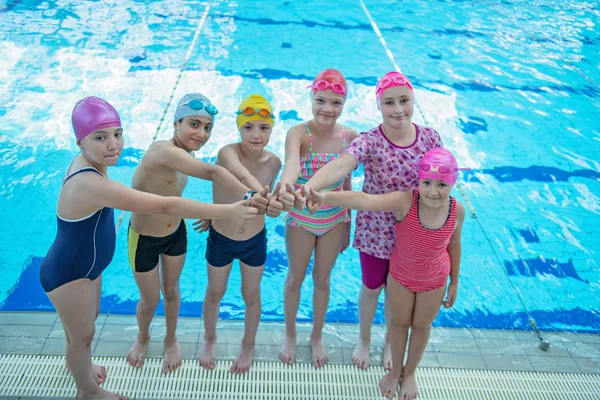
(512, 86)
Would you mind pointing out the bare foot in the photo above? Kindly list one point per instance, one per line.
(243, 362)
(387, 355)
(388, 385)
(319, 354)
(173, 356)
(410, 388)
(287, 354)
(137, 352)
(208, 358)
(100, 394)
(360, 355)
(98, 373)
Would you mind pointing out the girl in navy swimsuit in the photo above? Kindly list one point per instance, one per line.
(85, 241)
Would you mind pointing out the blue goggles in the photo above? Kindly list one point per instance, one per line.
(198, 105)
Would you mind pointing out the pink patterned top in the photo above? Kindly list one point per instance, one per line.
(387, 168)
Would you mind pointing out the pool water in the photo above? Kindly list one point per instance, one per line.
(512, 87)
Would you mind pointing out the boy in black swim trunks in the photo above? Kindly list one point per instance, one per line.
(255, 167)
(164, 170)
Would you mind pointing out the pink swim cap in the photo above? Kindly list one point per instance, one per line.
(92, 114)
(329, 79)
(439, 164)
(392, 79)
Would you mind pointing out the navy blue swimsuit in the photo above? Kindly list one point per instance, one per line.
(83, 248)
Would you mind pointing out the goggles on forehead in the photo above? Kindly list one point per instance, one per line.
(324, 85)
(261, 112)
(198, 105)
(440, 169)
(394, 80)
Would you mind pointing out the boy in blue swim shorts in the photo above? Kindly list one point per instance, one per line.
(157, 244)
(255, 167)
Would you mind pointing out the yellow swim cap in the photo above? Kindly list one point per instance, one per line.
(255, 108)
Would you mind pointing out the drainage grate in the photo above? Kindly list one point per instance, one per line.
(47, 376)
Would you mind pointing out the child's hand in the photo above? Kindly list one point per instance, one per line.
(274, 208)
(260, 200)
(450, 295)
(286, 197)
(201, 225)
(241, 213)
(299, 199)
(316, 198)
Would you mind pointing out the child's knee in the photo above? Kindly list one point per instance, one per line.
(421, 329)
(214, 294)
(83, 337)
(171, 293)
(321, 282)
(148, 304)
(399, 324)
(251, 296)
(293, 282)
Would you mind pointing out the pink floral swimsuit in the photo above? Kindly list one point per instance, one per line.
(387, 168)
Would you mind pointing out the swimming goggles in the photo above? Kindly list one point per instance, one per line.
(261, 112)
(440, 169)
(324, 85)
(198, 105)
(392, 81)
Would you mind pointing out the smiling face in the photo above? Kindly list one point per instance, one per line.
(434, 193)
(327, 106)
(396, 105)
(193, 132)
(255, 135)
(103, 147)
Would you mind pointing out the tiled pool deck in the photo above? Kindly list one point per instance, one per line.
(42, 334)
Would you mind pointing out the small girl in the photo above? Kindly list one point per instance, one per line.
(308, 147)
(427, 249)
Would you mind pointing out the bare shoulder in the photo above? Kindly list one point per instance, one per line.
(297, 130)
(228, 151)
(351, 134)
(158, 150)
(272, 160)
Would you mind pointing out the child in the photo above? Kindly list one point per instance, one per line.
(308, 147)
(387, 151)
(164, 170)
(427, 249)
(257, 168)
(71, 272)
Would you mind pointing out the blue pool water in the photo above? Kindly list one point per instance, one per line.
(512, 86)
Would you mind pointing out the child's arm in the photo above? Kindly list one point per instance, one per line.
(362, 201)
(454, 250)
(274, 207)
(104, 192)
(346, 240)
(230, 160)
(291, 169)
(351, 134)
(181, 161)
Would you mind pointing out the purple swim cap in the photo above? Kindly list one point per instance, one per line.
(439, 164)
(92, 114)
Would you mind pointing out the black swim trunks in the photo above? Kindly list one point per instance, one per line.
(221, 251)
(144, 250)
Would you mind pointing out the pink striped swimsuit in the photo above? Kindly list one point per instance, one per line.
(327, 216)
(420, 261)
